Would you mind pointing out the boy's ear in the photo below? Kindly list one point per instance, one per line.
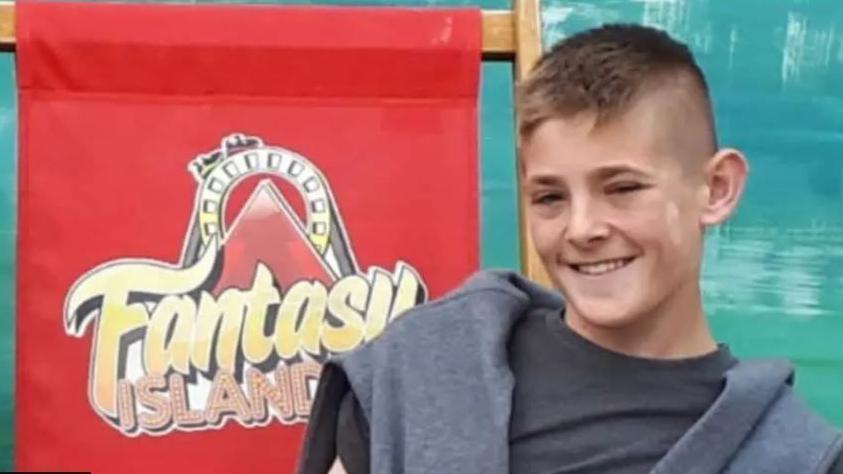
(725, 179)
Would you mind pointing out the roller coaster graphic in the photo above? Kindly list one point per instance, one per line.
(240, 156)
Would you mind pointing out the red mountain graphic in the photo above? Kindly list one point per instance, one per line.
(267, 231)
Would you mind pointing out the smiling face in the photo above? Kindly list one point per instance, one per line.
(616, 212)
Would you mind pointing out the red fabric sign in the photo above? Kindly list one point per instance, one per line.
(214, 199)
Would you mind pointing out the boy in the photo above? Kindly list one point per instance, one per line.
(622, 175)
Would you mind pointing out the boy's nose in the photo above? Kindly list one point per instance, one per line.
(586, 225)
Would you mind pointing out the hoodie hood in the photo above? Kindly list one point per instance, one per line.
(749, 390)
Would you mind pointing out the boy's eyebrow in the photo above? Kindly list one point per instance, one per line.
(601, 174)
(608, 172)
(545, 180)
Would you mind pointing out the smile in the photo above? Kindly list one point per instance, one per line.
(600, 268)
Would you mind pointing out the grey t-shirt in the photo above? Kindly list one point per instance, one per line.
(579, 408)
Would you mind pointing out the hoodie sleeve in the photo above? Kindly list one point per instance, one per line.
(837, 467)
(319, 449)
(353, 436)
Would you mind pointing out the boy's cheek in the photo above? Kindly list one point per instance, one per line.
(544, 232)
(655, 220)
(545, 247)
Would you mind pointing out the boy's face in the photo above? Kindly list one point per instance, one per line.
(615, 211)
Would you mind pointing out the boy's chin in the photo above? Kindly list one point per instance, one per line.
(604, 315)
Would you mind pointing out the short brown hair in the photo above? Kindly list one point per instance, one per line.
(603, 71)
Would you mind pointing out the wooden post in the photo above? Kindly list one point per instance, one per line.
(7, 24)
(528, 49)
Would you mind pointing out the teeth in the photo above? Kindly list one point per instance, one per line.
(602, 267)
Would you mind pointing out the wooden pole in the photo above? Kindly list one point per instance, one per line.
(7, 24)
(528, 49)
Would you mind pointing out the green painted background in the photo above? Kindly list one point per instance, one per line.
(8, 233)
(773, 278)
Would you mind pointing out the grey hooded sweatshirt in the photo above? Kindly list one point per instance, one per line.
(436, 391)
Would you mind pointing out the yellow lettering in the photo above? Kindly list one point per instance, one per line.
(303, 376)
(307, 301)
(256, 346)
(182, 329)
(379, 302)
(234, 307)
(347, 302)
(126, 406)
(226, 398)
(161, 354)
(119, 325)
(410, 290)
(225, 316)
(262, 391)
(103, 293)
(182, 414)
(160, 416)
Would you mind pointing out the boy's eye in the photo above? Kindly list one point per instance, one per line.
(624, 188)
(547, 198)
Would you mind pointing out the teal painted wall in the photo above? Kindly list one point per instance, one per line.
(773, 276)
(8, 233)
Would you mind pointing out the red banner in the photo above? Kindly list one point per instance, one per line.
(214, 199)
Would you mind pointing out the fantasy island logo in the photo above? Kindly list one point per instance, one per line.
(238, 329)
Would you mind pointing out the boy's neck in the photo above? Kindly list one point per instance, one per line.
(677, 329)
